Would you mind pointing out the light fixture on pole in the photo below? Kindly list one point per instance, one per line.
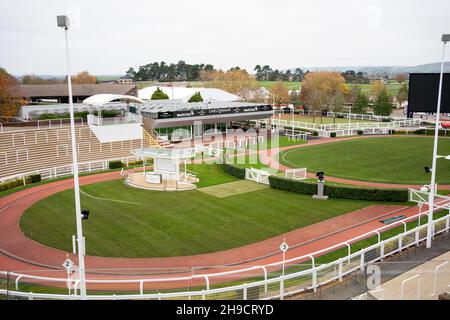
(445, 38)
(64, 22)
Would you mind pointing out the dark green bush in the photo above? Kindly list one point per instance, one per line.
(115, 164)
(315, 134)
(360, 132)
(333, 135)
(430, 132)
(342, 192)
(35, 178)
(234, 171)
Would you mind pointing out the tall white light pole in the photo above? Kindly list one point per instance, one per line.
(63, 22)
(445, 39)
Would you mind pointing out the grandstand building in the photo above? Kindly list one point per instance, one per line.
(166, 116)
(44, 145)
(58, 93)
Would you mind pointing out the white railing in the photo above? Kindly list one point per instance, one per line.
(62, 171)
(277, 287)
(42, 124)
(346, 126)
(128, 118)
(356, 116)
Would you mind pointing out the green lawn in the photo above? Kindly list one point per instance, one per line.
(163, 224)
(392, 160)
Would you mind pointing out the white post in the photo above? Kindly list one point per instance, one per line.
(75, 179)
(435, 147)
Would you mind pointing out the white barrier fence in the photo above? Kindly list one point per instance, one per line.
(295, 174)
(298, 277)
(62, 171)
(259, 176)
(41, 124)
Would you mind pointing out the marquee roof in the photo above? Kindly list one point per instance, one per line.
(100, 100)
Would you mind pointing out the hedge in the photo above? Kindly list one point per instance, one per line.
(35, 178)
(11, 184)
(19, 182)
(342, 192)
(115, 164)
(234, 171)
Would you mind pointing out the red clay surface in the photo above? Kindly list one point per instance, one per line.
(20, 253)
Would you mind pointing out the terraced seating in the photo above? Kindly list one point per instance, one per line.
(31, 150)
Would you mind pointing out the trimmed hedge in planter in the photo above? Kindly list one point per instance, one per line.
(234, 171)
(115, 164)
(333, 134)
(342, 192)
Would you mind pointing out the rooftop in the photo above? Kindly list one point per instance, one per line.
(60, 90)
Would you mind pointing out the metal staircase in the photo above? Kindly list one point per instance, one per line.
(155, 140)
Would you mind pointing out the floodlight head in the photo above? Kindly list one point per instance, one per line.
(446, 38)
(63, 22)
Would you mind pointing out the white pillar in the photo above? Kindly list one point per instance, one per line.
(76, 180)
(435, 147)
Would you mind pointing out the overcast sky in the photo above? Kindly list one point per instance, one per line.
(111, 35)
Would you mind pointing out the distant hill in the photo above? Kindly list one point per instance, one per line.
(101, 78)
(390, 70)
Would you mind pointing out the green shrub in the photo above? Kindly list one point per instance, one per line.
(11, 184)
(234, 171)
(115, 164)
(315, 134)
(342, 192)
(135, 163)
(333, 134)
(360, 132)
(35, 178)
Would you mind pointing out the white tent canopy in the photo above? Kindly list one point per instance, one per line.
(100, 100)
(183, 93)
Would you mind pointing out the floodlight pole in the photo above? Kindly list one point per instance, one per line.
(80, 238)
(435, 149)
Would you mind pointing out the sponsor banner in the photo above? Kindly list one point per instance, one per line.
(211, 112)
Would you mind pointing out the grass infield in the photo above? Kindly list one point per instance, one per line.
(142, 223)
(391, 159)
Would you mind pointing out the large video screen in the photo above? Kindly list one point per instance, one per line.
(423, 93)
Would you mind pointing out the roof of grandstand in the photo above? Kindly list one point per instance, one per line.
(56, 90)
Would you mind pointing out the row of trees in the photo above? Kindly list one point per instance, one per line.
(266, 73)
(329, 91)
(161, 71)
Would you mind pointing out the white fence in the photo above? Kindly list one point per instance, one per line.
(259, 176)
(295, 174)
(41, 124)
(62, 171)
(343, 129)
(128, 118)
(299, 278)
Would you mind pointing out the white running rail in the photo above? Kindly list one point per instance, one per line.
(276, 287)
